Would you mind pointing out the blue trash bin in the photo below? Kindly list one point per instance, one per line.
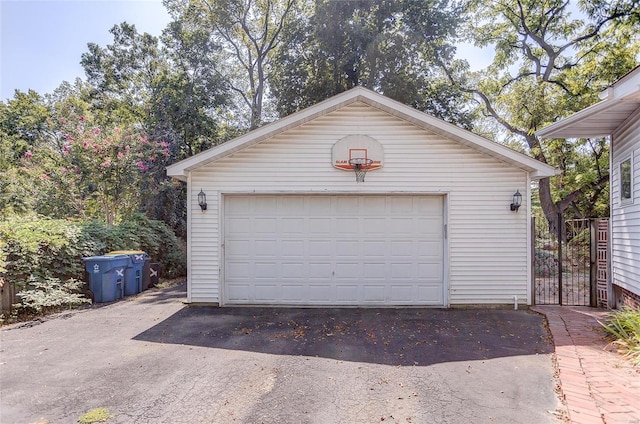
(134, 274)
(106, 276)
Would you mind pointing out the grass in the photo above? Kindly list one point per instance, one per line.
(623, 329)
(98, 415)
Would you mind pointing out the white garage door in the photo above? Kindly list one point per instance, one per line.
(333, 250)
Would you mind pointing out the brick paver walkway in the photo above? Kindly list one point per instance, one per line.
(599, 386)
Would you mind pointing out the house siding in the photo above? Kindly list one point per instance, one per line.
(625, 216)
(486, 258)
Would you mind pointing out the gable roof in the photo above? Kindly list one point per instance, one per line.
(537, 169)
(599, 120)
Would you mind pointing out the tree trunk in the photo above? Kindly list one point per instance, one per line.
(549, 208)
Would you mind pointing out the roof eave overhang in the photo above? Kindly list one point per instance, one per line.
(601, 119)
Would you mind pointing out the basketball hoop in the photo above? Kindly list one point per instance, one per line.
(360, 166)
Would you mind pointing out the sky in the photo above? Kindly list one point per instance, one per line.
(41, 42)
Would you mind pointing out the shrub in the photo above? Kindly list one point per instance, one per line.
(623, 328)
(40, 248)
(43, 256)
(51, 293)
(546, 263)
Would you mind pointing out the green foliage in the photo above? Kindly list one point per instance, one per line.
(550, 62)
(40, 248)
(141, 233)
(98, 415)
(390, 47)
(50, 294)
(546, 263)
(37, 252)
(623, 328)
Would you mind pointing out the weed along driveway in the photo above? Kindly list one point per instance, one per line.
(150, 359)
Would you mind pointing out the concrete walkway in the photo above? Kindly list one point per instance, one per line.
(598, 385)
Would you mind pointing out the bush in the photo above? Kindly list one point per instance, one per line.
(546, 263)
(51, 294)
(43, 257)
(623, 328)
(40, 248)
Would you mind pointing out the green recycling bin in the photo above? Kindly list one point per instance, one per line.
(135, 277)
(106, 276)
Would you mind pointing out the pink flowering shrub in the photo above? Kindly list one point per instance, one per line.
(96, 172)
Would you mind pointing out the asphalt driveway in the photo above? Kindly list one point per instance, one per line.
(151, 359)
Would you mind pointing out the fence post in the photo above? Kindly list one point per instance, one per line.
(533, 261)
(560, 238)
(593, 262)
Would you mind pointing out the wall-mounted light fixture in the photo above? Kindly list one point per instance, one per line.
(517, 201)
(202, 200)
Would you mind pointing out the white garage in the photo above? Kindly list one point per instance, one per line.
(359, 201)
(334, 250)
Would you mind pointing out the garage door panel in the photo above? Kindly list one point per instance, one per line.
(374, 249)
(291, 248)
(430, 249)
(332, 249)
(294, 270)
(374, 293)
(347, 271)
(239, 292)
(347, 294)
(347, 248)
(320, 249)
(401, 205)
(320, 293)
(347, 226)
(375, 271)
(430, 271)
(293, 227)
(430, 294)
(238, 248)
(265, 248)
(402, 226)
(238, 225)
(267, 293)
(373, 203)
(347, 205)
(402, 271)
(294, 293)
(266, 270)
(402, 293)
(265, 226)
(404, 248)
(237, 270)
(374, 226)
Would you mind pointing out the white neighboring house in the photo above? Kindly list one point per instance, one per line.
(286, 223)
(617, 115)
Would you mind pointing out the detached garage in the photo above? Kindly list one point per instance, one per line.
(359, 201)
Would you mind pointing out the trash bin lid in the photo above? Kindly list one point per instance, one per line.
(135, 255)
(105, 263)
(104, 258)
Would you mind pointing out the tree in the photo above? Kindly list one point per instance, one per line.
(23, 123)
(248, 32)
(388, 46)
(89, 171)
(548, 65)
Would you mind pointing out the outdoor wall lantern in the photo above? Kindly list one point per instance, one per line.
(202, 200)
(517, 201)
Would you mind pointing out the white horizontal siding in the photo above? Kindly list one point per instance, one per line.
(625, 217)
(487, 242)
(203, 248)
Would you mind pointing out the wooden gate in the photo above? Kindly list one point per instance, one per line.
(570, 264)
